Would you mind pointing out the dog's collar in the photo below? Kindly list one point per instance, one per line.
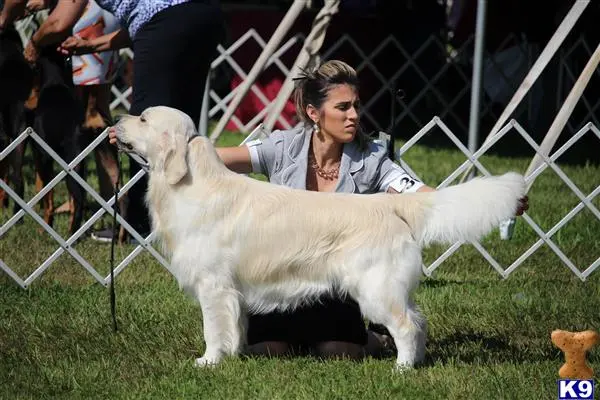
(141, 161)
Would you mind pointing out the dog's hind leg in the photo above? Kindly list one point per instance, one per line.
(385, 299)
(76, 199)
(405, 324)
(409, 332)
(223, 321)
(17, 173)
(4, 169)
(3, 195)
(14, 124)
(44, 170)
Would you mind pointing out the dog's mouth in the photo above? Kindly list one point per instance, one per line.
(124, 146)
(128, 148)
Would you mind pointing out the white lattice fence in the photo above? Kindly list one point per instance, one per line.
(67, 245)
(226, 55)
(545, 237)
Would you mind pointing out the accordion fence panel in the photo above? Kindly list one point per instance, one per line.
(366, 64)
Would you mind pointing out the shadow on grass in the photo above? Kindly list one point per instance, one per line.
(480, 348)
(436, 283)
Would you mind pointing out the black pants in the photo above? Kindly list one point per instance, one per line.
(330, 319)
(173, 52)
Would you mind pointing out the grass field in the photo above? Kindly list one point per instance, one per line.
(489, 337)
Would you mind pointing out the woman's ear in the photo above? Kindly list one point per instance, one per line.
(313, 113)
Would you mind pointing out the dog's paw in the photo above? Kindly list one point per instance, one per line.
(204, 362)
(401, 368)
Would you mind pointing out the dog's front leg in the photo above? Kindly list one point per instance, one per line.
(223, 322)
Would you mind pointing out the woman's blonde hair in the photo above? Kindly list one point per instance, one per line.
(312, 87)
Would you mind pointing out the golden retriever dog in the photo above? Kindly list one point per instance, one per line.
(238, 244)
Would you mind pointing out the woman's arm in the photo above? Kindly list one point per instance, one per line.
(55, 28)
(59, 23)
(236, 159)
(392, 178)
(12, 10)
(37, 5)
(425, 188)
(112, 41)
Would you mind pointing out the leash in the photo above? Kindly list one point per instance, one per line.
(113, 297)
(113, 303)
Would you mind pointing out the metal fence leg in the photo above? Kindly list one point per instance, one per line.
(477, 68)
(203, 123)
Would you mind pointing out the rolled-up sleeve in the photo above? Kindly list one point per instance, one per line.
(391, 175)
(264, 153)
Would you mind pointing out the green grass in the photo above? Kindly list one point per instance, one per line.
(489, 337)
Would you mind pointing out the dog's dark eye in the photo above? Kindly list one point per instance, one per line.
(142, 119)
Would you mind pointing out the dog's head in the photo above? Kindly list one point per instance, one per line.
(159, 136)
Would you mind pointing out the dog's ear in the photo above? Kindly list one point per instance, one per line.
(175, 162)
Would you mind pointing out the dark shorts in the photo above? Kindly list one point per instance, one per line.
(328, 320)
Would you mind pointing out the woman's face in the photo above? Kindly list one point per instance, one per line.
(338, 116)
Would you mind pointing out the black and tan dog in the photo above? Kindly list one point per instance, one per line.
(56, 117)
(43, 98)
(16, 80)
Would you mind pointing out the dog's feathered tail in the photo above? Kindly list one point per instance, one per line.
(463, 212)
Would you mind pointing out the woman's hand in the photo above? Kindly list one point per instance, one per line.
(31, 53)
(36, 5)
(111, 41)
(75, 45)
(112, 135)
(523, 205)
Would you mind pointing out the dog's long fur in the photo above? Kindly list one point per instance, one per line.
(239, 244)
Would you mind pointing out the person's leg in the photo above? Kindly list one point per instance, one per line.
(334, 328)
(99, 117)
(379, 345)
(338, 349)
(269, 349)
(330, 328)
(173, 52)
(92, 75)
(270, 335)
(96, 103)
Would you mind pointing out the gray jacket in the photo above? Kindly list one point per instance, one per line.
(283, 158)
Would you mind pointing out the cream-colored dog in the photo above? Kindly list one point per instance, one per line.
(239, 244)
